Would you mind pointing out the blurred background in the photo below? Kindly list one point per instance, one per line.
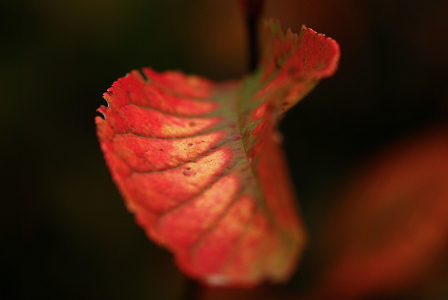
(369, 142)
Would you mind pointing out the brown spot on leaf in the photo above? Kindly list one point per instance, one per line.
(277, 65)
(189, 172)
(292, 70)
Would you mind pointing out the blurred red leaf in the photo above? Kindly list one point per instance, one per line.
(200, 164)
(389, 234)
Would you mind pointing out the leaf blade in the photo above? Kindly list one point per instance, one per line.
(200, 163)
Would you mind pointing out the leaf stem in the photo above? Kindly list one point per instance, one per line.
(193, 290)
(252, 10)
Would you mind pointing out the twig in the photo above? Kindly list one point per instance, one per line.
(193, 290)
(252, 10)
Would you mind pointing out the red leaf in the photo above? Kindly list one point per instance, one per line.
(390, 233)
(200, 164)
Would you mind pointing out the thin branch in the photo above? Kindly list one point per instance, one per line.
(193, 290)
(252, 11)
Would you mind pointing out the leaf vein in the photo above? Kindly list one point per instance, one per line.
(167, 212)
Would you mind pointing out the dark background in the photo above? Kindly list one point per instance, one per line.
(65, 233)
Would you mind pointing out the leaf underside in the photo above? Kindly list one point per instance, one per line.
(200, 164)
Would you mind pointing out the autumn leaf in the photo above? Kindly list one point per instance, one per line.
(389, 231)
(200, 165)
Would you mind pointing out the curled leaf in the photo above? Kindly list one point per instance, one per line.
(200, 165)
